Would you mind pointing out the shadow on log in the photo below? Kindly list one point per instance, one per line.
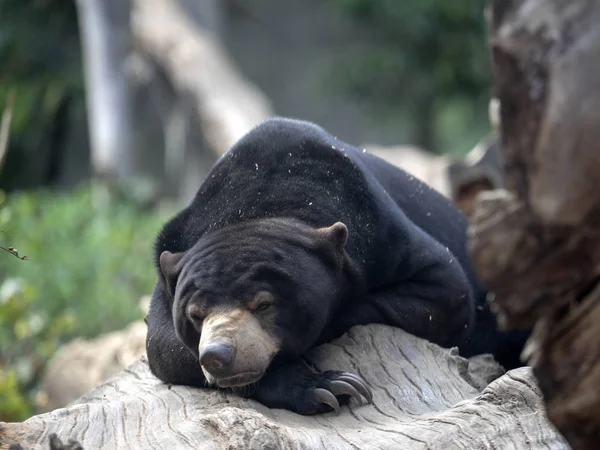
(537, 246)
(424, 397)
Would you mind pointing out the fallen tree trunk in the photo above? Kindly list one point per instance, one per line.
(536, 246)
(425, 397)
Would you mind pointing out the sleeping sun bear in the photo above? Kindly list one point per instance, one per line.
(293, 238)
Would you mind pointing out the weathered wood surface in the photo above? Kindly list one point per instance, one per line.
(536, 245)
(481, 170)
(425, 397)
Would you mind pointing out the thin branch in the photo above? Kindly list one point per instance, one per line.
(13, 251)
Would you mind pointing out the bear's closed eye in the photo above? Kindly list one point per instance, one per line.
(196, 317)
(261, 301)
(262, 307)
(195, 313)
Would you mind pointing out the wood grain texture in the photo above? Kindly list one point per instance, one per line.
(425, 397)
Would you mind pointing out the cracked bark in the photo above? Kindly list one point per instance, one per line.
(425, 397)
(536, 244)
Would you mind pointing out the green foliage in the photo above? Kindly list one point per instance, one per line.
(37, 39)
(421, 58)
(19, 331)
(13, 405)
(39, 50)
(41, 65)
(89, 263)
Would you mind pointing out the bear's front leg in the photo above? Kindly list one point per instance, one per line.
(292, 384)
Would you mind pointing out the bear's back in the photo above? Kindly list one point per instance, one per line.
(420, 203)
(281, 168)
(292, 168)
(424, 206)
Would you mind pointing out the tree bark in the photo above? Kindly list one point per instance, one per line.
(104, 27)
(425, 397)
(536, 246)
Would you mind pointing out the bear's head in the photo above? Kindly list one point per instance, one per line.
(248, 292)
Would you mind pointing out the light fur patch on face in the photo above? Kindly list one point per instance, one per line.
(255, 347)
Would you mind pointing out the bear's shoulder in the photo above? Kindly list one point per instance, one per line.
(282, 167)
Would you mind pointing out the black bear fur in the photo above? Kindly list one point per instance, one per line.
(404, 261)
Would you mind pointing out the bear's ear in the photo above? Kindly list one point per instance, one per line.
(336, 235)
(169, 267)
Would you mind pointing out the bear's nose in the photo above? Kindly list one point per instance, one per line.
(217, 357)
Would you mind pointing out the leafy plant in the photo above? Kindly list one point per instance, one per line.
(13, 405)
(89, 263)
(427, 59)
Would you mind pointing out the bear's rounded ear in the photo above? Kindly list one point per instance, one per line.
(336, 234)
(170, 269)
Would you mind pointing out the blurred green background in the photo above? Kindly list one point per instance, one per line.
(88, 266)
(418, 70)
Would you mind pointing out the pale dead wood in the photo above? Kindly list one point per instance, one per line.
(223, 102)
(425, 397)
(537, 245)
(427, 167)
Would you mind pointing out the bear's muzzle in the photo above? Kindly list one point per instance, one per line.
(235, 350)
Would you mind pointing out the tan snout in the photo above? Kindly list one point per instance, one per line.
(235, 349)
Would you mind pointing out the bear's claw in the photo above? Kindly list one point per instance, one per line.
(343, 384)
(358, 384)
(298, 387)
(324, 396)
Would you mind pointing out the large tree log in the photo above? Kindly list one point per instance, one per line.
(537, 247)
(83, 364)
(424, 397)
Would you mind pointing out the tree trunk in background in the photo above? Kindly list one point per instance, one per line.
(224, 104)
(537, 247)
(425, 133)
(106, 45)
(205, 104)
(5, 122)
